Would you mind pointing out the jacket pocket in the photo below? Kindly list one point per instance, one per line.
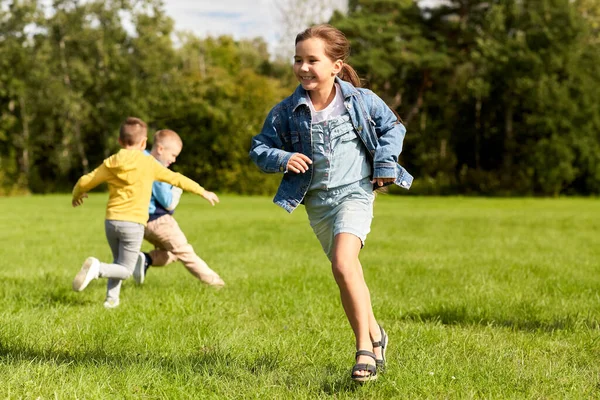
(295, 140)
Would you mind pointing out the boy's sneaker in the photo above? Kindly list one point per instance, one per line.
(139, 271)
(148, 263)
(89, 271)
(111, 303)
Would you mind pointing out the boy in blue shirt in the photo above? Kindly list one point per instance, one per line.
(162, 229)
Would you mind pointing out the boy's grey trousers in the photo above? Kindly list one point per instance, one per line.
(125, 241)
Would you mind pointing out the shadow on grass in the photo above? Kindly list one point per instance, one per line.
(525, 319)
(207, 360)
(210, 361)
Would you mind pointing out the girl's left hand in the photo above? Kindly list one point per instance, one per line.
(382, 181)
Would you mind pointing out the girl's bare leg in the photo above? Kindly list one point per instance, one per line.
(374, 330)
(354, 293)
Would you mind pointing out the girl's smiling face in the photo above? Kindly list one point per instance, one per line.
(313, 69)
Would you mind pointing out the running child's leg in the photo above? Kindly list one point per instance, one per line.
(353, 291)
(173, 245)
(374, 329)
(155, 236)
(125, 240)
(161, 257)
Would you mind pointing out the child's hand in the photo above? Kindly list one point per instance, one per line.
(79, 201)
(298, 163)
(211, 197)
(382, 181)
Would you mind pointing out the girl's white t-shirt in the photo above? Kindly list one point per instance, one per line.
(333, 110)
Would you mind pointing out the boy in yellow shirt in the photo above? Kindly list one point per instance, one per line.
(129, 174)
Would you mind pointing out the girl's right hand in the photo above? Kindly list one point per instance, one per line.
(298, 163)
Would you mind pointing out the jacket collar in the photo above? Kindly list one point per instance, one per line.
(300, 96)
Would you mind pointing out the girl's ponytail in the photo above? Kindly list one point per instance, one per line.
(348, 74)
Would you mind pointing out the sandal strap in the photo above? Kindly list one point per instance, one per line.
(371, 369)
(381, 341)
(365, 353)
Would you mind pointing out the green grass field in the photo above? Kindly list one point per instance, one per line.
(481, 298)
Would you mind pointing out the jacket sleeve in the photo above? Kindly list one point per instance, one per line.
(390, 136)
(267, 148)
(163, 174)
(89, 181)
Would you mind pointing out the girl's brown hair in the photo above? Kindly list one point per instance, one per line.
(337, 47)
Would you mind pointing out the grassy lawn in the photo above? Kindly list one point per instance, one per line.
(481, 298)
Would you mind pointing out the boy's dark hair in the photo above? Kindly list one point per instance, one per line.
(132, 131)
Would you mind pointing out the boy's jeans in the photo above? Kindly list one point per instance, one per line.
(125, 241)
(172, 245)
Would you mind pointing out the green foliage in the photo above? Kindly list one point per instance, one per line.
(487, 88)
(66, 87)
(499, 97)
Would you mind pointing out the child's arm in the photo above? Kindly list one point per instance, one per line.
(88, 182)
(164, 174)
(79, 201)
(267, 149)
(390, 133)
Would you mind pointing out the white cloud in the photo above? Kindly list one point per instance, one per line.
(238, 18)
(245, 19)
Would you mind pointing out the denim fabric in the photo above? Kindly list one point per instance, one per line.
(346, 209)
(287, 130)
(338, 157)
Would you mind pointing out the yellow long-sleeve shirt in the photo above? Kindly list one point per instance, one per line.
(130, 174)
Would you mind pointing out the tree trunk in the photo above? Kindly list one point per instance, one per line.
(477, 140)
(24, 157)
(425, 84)
(509, 137)
(70, 105)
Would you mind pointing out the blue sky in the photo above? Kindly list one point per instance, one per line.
(243, 18)
(238, 18)
(250, 18)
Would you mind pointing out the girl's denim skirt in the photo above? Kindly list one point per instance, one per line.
(347, 209)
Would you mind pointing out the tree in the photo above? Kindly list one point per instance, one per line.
(16, 88)
(490, 90)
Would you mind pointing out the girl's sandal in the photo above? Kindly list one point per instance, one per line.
(383, 342)
(371, 369)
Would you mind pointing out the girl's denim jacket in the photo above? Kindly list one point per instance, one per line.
(287, 130)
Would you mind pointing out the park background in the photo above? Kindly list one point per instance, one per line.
(498, 97)
(488, 286)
